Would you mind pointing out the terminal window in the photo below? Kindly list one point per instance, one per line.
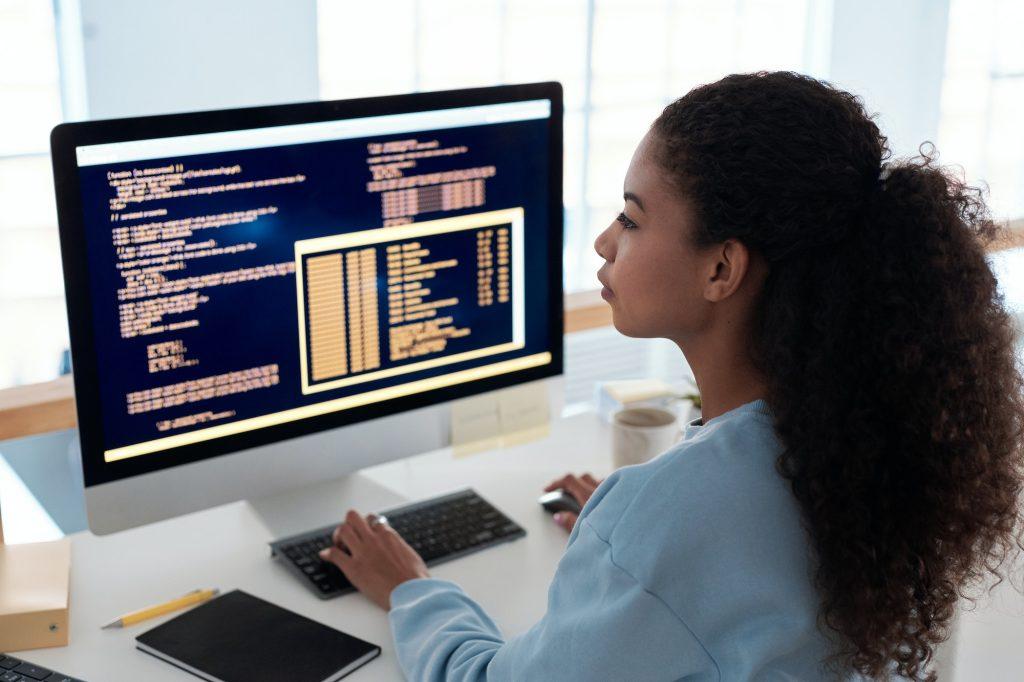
(386, 302)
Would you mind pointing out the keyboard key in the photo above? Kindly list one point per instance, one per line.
(57, 677)
(507, 528)
(33, 671)
(8, 662)
(11, 676)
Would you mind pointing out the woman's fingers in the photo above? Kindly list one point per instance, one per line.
(584, 481)
(376, 523)
(356, 530)
(358, 523)
(353, 532)
(565, 519)
(578, 489)
(569, 483)
(348, 538)
(336, 557)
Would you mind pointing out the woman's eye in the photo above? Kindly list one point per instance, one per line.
(626, 222)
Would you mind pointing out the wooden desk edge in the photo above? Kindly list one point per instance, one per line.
(37, 408)
(50, 406)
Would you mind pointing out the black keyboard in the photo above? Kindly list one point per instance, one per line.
(16, 670)
(439, 529)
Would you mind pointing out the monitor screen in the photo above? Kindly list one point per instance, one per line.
(235, 278)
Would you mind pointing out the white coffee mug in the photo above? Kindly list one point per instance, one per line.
(642, 433)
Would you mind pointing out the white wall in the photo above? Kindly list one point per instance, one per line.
(893, 53)
(154, 56)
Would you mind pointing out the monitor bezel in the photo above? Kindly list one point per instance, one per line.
(67, 136)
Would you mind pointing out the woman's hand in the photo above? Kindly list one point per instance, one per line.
(374, 557)
(580, 487)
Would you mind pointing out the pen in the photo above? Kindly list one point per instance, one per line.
(193, 597)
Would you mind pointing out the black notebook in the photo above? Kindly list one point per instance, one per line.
(237, 637)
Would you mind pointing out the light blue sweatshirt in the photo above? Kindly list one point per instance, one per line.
(691, 566)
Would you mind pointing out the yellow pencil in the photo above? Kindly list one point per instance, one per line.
(193, 597)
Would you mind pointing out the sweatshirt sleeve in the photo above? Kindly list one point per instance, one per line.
(600, 624)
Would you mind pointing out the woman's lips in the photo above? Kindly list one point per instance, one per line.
(606, 293)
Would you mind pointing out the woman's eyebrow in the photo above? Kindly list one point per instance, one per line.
(629, 196)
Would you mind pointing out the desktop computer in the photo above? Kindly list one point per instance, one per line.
(263, 298)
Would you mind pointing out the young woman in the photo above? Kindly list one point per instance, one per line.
(859, 462)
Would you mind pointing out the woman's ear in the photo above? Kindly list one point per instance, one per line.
(728, 266)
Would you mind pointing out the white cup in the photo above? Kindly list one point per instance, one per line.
(642, 433)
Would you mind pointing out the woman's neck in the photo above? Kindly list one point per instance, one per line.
(725, 376)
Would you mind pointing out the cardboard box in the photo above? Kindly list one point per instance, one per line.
(34, 584)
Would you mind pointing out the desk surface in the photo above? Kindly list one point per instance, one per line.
(226, 547)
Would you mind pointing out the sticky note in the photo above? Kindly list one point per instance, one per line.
(500, 418)
(524, 411)
(476, 424)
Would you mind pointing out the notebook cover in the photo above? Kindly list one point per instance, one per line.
(237, 637)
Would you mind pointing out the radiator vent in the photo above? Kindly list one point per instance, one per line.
(598, 355)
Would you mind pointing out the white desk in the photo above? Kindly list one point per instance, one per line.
(226, 547)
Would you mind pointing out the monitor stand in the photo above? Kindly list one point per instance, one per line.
(321, 504)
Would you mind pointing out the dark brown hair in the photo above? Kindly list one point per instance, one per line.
(888, 354)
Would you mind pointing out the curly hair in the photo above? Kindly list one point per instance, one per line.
(888, 355)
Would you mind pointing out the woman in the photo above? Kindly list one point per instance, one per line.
(859, 462)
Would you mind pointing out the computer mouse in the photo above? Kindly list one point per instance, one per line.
(559, 500)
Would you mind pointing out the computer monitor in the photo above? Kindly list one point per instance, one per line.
(260, 298)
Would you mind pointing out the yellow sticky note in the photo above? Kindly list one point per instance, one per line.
(523, 409)
(500, 419)
(476, 424)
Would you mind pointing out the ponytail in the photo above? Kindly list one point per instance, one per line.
(888, 354)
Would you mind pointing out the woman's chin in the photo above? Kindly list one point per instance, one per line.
(624, 327)
(633, 328)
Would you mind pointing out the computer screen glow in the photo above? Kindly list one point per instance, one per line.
(255, 277)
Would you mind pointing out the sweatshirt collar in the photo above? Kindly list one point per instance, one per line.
(758, 406)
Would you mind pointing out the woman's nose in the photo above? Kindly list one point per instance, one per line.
(603, 245)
